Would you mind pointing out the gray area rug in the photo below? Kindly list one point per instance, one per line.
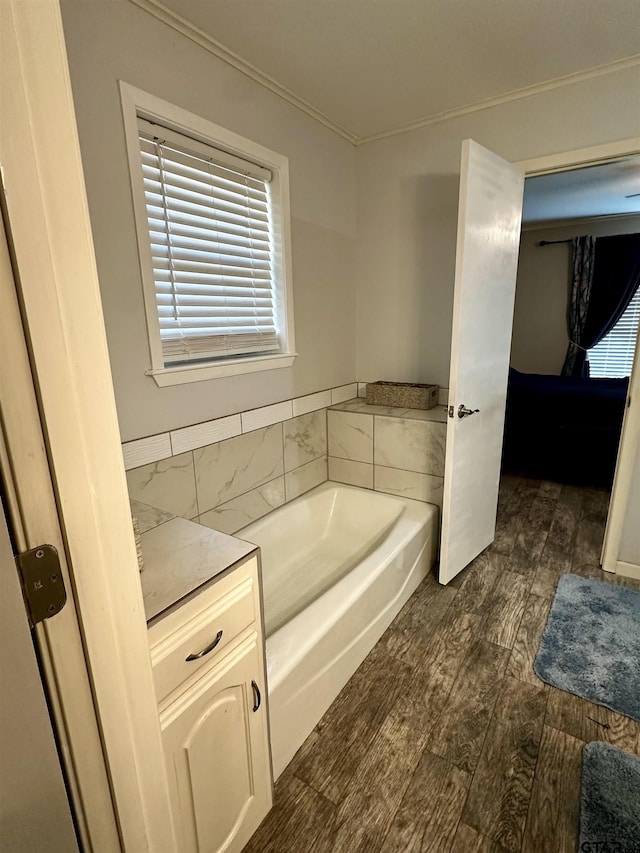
(591, 644)
(610, 805)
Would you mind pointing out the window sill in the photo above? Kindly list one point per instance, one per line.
(184, 373)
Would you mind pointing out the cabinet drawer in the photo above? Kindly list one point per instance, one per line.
(193, 646)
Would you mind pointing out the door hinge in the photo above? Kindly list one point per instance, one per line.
(42, 582)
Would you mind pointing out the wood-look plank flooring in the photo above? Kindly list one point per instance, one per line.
(445, 739)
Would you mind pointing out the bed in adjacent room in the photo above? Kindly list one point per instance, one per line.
(563, 428)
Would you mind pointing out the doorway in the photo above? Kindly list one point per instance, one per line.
(567, 428)
(619, 159)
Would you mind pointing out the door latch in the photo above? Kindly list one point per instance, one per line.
(42, 582)
(463, 412)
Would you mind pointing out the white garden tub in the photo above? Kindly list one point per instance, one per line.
(338, 563)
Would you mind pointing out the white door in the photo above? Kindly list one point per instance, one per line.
(34, 810)
(489, 214)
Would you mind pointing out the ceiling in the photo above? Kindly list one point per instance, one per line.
(600, 190)
(372, 66)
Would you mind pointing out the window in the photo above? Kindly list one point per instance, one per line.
(211, 216)
(613, 356)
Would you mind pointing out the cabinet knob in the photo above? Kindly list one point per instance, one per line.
(208, 649)
(257, 699)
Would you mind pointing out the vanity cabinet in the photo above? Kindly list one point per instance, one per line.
(209, 673)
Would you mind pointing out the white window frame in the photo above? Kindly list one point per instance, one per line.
(136, 102)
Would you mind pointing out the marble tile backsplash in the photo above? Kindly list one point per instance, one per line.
(308, 476)
(398, 451)
(237, 513)
(305, 439)
(350, 436)
(230, 483)
(253, 465)
(412, 445)
(169, 485)
(230, 468)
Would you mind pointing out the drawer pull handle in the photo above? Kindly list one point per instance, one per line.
(209, 648)
(257, 699)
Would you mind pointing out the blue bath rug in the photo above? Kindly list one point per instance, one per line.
(610, 804)
(591, 644)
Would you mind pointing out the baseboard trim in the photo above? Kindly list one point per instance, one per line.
(628, 570)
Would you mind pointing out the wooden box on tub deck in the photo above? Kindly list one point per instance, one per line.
(404, 395)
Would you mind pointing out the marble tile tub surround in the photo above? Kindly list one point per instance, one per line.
(392, 450)
(230, 483)
(231, 471)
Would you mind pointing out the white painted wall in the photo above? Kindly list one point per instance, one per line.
(108, 41)
(407, 209)
(540, 338)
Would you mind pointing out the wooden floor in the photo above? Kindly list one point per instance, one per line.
(444, 739)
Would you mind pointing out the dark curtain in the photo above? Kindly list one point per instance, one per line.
(582, 273)
(614, 281)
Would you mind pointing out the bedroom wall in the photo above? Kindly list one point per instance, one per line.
(407, 208)
(540, 340)
(111, 41)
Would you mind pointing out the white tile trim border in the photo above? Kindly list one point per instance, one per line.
(142, 451)
(145, 450)
(311, 403)
(267, 415)
(192, 437)
(344, 393)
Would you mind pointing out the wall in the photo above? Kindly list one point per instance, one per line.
(540, 338)
(108, 41)
(630, 541)
(407, 209)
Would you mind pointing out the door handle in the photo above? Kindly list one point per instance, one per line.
(463, 412)
(257, 699)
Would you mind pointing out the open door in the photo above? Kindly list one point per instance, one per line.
(489, 215)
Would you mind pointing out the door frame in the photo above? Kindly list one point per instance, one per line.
(630, 433)
(32, 514)
(57, 284)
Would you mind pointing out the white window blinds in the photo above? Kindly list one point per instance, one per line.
(211, 238)
(613, 356)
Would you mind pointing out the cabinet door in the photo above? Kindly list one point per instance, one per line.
(217, 753)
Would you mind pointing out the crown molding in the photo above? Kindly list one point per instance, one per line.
(199, 37)
(513, 95)
(190, 31)
(554, 224)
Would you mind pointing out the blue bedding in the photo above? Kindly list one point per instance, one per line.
(569, 386)
(563, 428)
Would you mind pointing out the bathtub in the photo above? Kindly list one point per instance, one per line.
(338, 563)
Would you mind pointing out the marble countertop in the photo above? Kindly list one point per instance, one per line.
(360, 405)
(180, 557)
